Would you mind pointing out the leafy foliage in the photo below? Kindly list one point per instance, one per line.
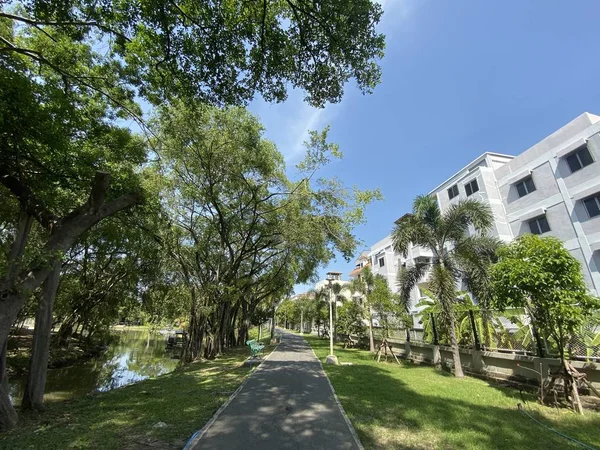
(72, 71)
(540, 275)
(214, 52)
(241, 232)
(446, 236)
(350, 319)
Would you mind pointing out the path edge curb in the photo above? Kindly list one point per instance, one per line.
(337, 401)
(202, 431)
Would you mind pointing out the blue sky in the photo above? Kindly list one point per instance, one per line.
(459, 78)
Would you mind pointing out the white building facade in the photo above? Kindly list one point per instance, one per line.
(551, 189)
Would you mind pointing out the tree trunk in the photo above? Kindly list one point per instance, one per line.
(193, 343)
(11, 303)
(33, 397)
(7, 420)
(3, 371)
(273, 324)
(20, 282)
(301, 322)
(371, 337)
(65, 331)
(221, 330)
(244, 324)
(18, 246)
(243, 335)
(458, 371)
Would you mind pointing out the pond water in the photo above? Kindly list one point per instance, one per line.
(134, 356)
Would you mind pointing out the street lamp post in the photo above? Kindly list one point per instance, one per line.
(331, 276)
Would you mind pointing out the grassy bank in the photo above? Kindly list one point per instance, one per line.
(125, 418)
(73, 352)
(416, 407)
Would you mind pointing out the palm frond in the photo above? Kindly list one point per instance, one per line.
(336, 288)
(443, 287)
(474, 256)
(368, 277)
(357, 285)
(412, 230)
(458, 217)
(426, 208)
(408, 277)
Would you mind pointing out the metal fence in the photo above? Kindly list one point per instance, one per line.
(510, 331)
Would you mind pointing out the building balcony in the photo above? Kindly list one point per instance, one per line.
(358, 270)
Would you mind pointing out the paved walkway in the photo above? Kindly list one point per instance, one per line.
(287, 403)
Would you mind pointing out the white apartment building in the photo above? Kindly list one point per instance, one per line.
(551, 189)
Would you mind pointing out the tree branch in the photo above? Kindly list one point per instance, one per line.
(29, 202)
(50, 23)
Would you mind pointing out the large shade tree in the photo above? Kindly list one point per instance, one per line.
(447, 236)
(241, 231)
(70, 70)
(58, 153)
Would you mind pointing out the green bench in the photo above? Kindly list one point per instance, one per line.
(255, 348)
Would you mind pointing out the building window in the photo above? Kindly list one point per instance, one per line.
(471, 187)
(453, 192)
(592, 205)
(525, 187)
(579, 159)
(381, 262)
(539, 225)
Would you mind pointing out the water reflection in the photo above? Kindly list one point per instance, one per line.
(134, 356)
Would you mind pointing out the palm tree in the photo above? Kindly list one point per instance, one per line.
(446, 235)
(364, 285)
(475, 273)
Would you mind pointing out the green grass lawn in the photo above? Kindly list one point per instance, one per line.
(417, 407)
(124, 418)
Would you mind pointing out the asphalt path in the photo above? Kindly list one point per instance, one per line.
(286, 404)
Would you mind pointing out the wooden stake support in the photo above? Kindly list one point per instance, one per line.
(383, 349)
(571, 379)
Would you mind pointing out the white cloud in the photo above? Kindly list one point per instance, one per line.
(288, 123)
(312, 119)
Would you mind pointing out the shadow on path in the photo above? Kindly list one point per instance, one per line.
(287, 403)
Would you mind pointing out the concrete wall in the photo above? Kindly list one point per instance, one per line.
(502, 366)
(559, 191)
(564, 136)
(546, 188)
(482, 170)
(384, 249)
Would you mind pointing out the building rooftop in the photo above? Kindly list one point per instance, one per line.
(473, 164)
(358, 270)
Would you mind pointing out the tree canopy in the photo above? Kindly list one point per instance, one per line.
(215, 52)
(74, 75)
(540, 274)
(242, 232)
